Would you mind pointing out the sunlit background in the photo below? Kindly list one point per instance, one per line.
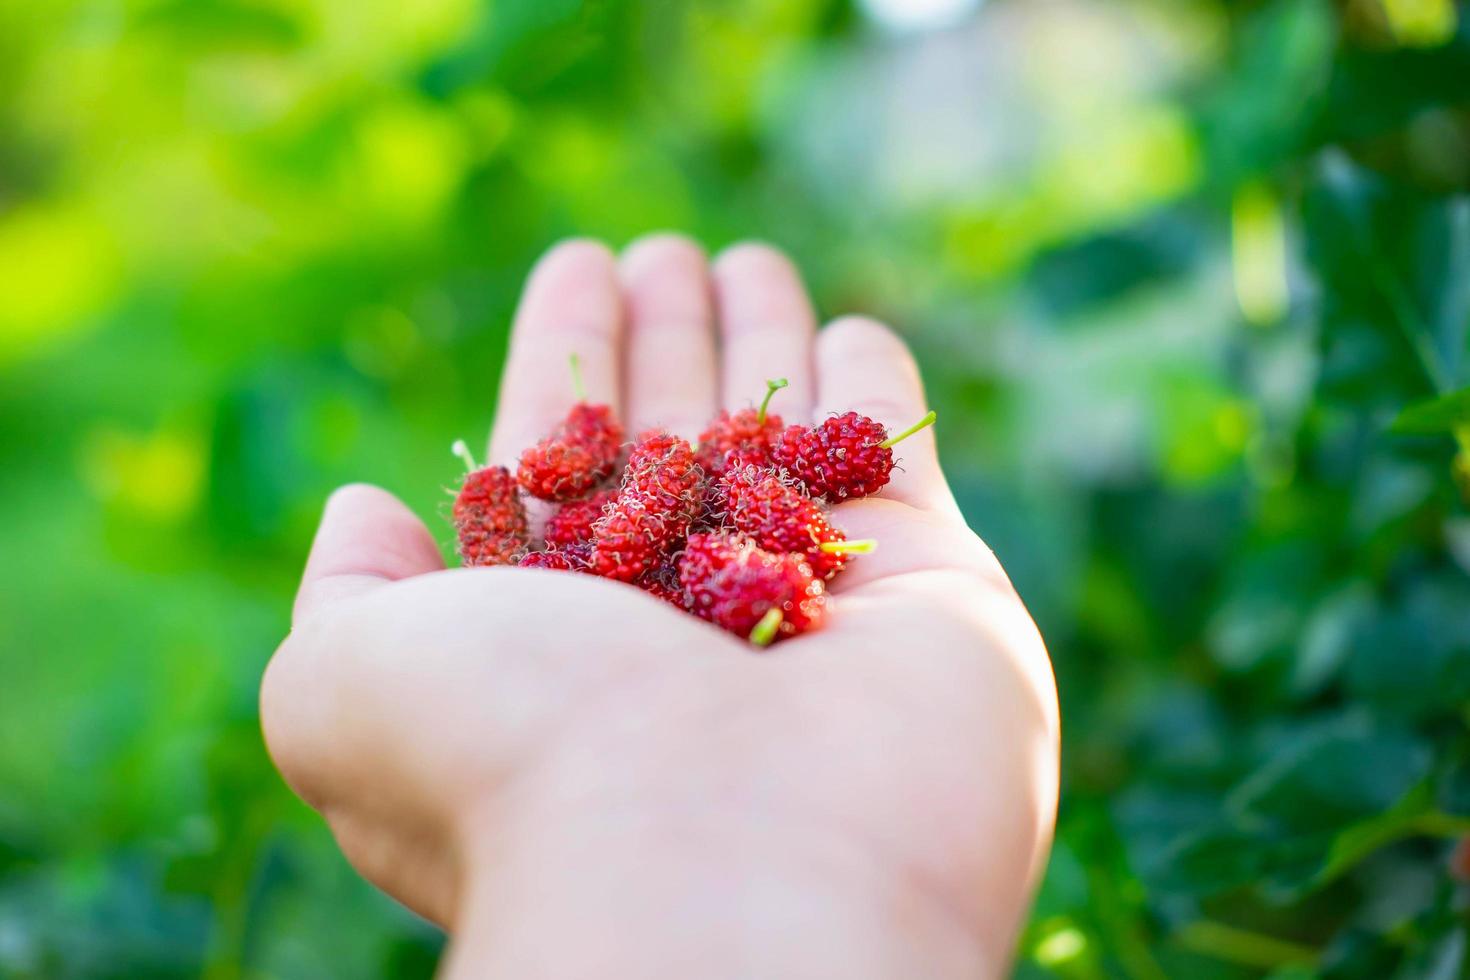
(1174, 268)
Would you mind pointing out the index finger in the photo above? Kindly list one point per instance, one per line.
(571, 305)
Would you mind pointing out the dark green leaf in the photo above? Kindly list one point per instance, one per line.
(1435, 416)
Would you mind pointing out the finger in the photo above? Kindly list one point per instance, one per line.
(864, 367)
(366, 539)
(571, 305)
(766, 324)
(670, 358)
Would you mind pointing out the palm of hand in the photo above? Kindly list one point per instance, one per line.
(449, 721)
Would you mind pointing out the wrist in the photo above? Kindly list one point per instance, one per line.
(650, 895)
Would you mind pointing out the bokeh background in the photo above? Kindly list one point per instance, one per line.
(1176, 270)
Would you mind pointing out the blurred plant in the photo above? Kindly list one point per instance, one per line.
(1191, 279)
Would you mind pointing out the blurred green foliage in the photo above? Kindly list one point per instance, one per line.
(1190, 279)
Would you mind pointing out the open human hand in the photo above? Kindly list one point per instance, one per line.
(577, 779)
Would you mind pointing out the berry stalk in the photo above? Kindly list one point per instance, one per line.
(860, 546)
(765, 631)
(578, 389)
(918, 426)
(489, 519)
(461, 449)
(772, 386)
(741, 438)
(575, 459)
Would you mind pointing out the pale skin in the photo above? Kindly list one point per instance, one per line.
(577, 780)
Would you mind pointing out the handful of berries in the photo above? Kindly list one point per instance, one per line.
(732, 530)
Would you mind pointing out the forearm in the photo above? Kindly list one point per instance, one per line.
(639, 901)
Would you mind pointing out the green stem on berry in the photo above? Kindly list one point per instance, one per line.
(923, 423)
(861, 546)
(462, 450)
(577, 387)
(765, 630)
(772, 386)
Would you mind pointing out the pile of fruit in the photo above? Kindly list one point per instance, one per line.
(733, 529)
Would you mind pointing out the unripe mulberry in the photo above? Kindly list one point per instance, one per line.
(663, 581)
(747, 434)
(575, 459)
(779, 517)
(572, 524)
(568, 560)
(753, 593)
(489, 518)
(842, 457)
(661, 494)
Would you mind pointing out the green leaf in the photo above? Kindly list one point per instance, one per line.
(1243, 946)
(1436, 416)
(1391, 267)
(1409, 661)
(1321, 780)
(1413, 816)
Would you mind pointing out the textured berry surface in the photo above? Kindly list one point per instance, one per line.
(489, 518)
(663, 468)
(743, 434)
(663, 581)
(570, 560)
(478, 549)
(572, 524)
(731, 582)
(662, 492)
(590, 423)
(735, 531)
(630, 539)
(840, 458)
(575, 459)
(779, 517)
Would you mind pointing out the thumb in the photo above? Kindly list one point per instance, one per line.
(367, 538)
